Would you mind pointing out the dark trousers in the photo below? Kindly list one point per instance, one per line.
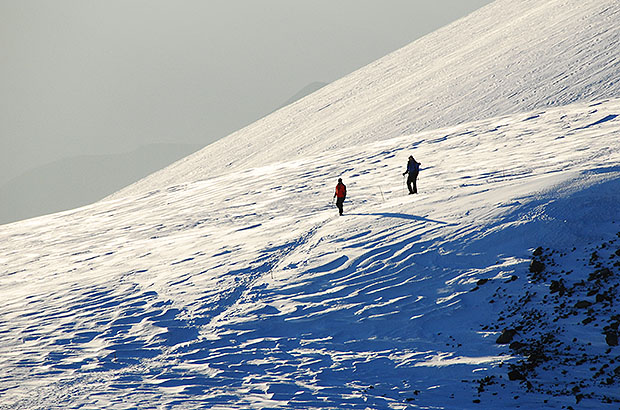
(339, 202)
(411, 183)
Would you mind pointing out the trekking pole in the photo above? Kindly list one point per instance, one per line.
(403, 185)
(382, 193)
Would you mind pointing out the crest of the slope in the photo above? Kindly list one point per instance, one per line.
(506, 58)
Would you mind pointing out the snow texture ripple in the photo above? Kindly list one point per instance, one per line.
(248, 291)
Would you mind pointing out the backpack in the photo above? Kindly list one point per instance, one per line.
(415, 167)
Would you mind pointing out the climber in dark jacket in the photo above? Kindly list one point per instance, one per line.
(413, 168)
(340, 195)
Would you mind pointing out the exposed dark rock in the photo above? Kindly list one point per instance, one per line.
(515, 375)
(481, 282)
(588, 320)
(558, 314)
(537, 266)
(602, 298)
(579, 397)
(611, 338)
(558, 286)
(506, 337)
(600, 274)
(583, 304)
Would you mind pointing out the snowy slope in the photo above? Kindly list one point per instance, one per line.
(511, 56)
(248, 291)
(227, 281)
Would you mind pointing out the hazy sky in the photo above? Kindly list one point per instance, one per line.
(107, 76)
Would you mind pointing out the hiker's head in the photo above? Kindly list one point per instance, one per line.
(339, 179)
(411, 158)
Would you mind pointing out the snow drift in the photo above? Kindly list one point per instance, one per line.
(247, 291)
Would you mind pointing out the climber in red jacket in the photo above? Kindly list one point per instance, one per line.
(340, 195)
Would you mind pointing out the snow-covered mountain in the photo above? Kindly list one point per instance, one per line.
(231, 283)
(248, 291)
(510, 56)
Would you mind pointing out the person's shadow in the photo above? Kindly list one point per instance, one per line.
(403, 216)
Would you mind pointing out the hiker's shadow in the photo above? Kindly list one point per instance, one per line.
(403, 216)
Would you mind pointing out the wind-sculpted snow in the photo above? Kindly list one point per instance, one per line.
(510, 56)
(248, 291)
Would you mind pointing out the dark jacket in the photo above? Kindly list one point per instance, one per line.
(413, 167)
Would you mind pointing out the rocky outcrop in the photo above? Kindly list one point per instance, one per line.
(562, 325)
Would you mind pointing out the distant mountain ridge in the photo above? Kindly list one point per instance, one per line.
(79, 181)
(307, 90)
(510, 56)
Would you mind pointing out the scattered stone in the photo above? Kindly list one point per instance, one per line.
(601, 298)
(537, 266)
(588, 320)
(583, 304)
(557, 286)
(506, 337)
(550, 307)
(611, 338)
(600, 274)
(515, 375)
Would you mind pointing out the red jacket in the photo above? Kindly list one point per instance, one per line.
(341, 190)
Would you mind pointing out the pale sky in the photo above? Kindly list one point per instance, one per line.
(107, 76)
